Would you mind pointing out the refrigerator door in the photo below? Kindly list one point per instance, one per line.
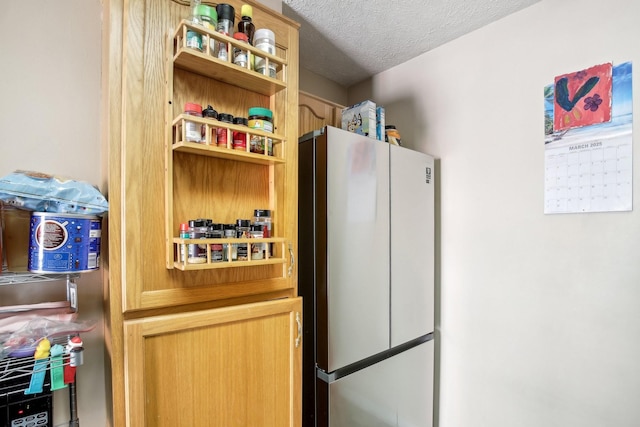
(357, 249)
(396, 392)
(412, 244)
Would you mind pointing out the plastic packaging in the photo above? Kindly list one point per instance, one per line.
(36, 191)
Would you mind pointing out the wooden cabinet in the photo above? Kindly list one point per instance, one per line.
(157, 180)
(226, 367)
(315, 113)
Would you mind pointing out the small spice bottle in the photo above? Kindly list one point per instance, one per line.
(210, 113)
(257, 249)
(240, 55)
(229, 233)
(193, 130)
(262, 217)
(226, 19)
(243, 231)
(223, 133)
(217, 251)
(184, 234)
(194, 40)
(197, 230)
(239, 137)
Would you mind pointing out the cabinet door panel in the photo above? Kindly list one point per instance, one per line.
(315, 113)
(236, 366)
(141, 108)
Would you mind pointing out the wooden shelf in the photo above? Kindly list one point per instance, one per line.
(204, 149)
(229, 263)
(205, 64)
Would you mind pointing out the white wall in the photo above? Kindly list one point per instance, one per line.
(50, 54)
(539, 318)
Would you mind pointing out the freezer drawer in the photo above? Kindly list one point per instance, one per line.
(396, 392)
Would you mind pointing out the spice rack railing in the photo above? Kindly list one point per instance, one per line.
(181, 56)
(206, 64)
(206, 148)
(208, 263)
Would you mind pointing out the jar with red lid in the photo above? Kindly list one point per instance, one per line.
(192, 130)
(240, 55)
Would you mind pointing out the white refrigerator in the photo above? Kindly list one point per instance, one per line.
(366, 275)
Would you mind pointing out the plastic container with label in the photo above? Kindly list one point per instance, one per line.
(265, 40)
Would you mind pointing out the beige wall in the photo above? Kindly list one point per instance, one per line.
(538, 321)
(50, 121)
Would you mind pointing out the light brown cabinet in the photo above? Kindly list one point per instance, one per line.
(223, 367)
(158, 180)
(315, 113)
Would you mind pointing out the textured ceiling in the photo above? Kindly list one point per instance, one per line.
(349, 41)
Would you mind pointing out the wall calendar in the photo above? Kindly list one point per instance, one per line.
(588, 141)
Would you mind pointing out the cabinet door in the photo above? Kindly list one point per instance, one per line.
(315, 113)
(144, 204)
(235, 366)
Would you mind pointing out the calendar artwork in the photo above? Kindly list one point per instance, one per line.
(588, 141)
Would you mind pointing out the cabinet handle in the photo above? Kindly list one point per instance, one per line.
(293, 261)
(299, 322)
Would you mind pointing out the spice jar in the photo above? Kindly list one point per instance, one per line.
(192, 130)
(184, 234)
(223, 133)
(197, 252)
(262, 119)
(265, 40)
(208, 17)
(229, 233)
(240, 55)
(243, 231)
(194, 40)
(239, 137)
(262, 217)
(226, 18)
(257, 249)
(217, 251)
(210, 113)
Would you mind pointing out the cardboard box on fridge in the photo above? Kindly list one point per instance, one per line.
(360, 118)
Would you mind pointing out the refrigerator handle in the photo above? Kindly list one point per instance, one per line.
(293, 261)
(299, 323)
